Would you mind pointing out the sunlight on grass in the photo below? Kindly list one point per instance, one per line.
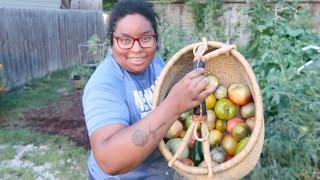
(7, 152)
(40, 155)
(35, 94)
(16, 173)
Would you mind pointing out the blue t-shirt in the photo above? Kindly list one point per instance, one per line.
(116, 96)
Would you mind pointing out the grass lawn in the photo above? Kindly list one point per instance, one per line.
(27, 154)
(34, 94)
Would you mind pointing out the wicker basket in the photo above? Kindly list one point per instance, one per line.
(230, 67)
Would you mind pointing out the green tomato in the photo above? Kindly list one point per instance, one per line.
(225, 109)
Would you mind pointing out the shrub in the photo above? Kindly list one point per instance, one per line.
(81, 71)
(291, 96)
(108, 4)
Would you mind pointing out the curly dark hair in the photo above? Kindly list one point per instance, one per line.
(128, 7)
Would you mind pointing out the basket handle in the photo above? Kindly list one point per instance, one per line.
(200, 112)
(221, 51)
(183, 144)
(206, 149)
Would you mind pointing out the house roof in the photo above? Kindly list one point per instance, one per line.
(32, 3)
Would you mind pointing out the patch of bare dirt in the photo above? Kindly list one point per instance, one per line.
(64, 118)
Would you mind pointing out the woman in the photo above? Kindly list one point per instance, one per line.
(123, 131)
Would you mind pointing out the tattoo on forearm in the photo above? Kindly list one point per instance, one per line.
(140, 137)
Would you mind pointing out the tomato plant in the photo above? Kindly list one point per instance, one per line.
(291, 95)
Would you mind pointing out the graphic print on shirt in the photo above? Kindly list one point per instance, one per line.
(144, 100)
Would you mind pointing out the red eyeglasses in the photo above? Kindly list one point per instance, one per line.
(127, 42)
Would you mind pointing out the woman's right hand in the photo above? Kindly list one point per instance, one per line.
(190, 91)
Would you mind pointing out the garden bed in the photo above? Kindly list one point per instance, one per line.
(64, 118)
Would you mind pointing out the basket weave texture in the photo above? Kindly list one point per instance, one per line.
(230, 67)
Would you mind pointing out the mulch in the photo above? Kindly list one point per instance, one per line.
(64, 118)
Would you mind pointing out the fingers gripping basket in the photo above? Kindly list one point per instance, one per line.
(230, 67)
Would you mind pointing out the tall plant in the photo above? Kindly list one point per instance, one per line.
(207, 23)
(207, 16)
(171, 38)
(290, 93)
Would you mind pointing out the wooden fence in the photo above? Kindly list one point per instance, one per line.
(34, 42)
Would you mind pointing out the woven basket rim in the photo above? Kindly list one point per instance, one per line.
(257, 98)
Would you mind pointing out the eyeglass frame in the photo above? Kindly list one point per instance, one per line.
(135, 39)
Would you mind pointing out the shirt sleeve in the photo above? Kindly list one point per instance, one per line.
(160, 61)
(158, 65)
(104, 106)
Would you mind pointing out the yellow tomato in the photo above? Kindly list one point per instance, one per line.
(210, 102)
(221, 125)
